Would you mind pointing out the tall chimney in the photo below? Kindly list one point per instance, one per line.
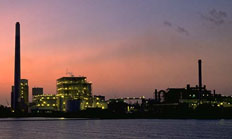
(156, 93)
(200, 74)
(17, 69)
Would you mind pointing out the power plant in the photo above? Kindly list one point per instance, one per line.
(74, 94)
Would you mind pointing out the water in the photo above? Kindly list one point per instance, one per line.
(42, 128)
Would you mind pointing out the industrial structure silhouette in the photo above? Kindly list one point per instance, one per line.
(74, 94)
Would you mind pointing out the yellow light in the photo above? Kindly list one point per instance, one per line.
(103, 107)
(48, 105)
(62, 118)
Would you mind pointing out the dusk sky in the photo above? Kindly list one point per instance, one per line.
(124, 47)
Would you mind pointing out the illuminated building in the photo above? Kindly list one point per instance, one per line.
(24, 91)
(73, 88)
(99, 102)
(37, 91)
(73, 94)
(23, 95)
(44, 103)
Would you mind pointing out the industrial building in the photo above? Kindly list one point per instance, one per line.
(73, 88)
(44, 103)
(99, 102)
(23, 99)
(175, 95)
(37, 91)
(193, 96)
(73, 94)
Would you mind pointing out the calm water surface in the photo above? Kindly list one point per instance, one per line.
(113, 129)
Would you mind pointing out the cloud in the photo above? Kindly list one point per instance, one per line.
(177, 28)
(215, 16)
(167, 23)
(182, 30)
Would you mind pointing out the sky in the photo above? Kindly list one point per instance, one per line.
(124, 47)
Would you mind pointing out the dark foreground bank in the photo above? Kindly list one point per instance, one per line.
(180, 112)
(137, 115)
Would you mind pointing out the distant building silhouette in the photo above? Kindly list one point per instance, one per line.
(174, 95)
(23, 96)
(37, 91)
(16, 93)
(200, 74)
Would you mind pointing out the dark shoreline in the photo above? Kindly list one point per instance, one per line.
(115, 116)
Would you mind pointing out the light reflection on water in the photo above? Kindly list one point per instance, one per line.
(111, 129)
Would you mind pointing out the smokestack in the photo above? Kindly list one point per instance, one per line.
(156, 93)
(17, 69)
(159, 98)
(200, 74)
